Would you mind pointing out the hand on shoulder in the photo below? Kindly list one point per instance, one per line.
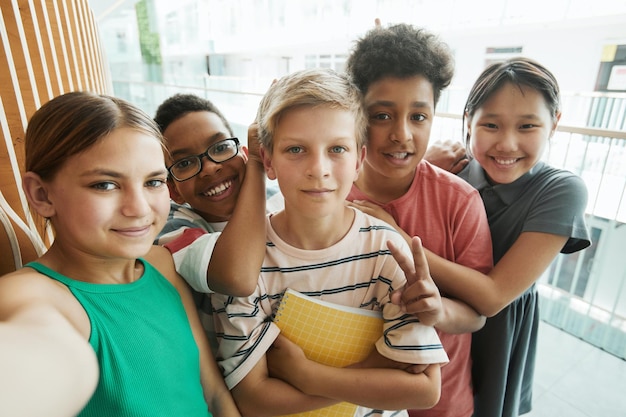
(449, 155)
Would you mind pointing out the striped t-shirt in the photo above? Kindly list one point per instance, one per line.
(358, 271)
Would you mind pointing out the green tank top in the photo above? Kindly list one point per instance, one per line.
(149, 362)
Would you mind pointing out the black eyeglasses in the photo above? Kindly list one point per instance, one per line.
(188, 167)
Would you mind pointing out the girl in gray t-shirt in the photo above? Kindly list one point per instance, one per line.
(535, 211)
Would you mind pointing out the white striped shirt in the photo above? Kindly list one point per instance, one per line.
(357, 271)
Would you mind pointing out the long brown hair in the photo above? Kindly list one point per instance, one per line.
(72, 123)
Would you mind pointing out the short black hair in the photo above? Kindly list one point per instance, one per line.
(179, 105)
(401, 51)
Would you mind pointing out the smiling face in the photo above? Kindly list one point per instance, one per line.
(214, 191)
(400, 112)
(315, 159)
(509, 132)
(111, 200)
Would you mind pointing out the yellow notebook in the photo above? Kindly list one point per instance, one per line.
(328, 333)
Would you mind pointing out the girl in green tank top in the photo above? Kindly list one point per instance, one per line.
(101, 324)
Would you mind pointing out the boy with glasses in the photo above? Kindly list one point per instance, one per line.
(210, 173)
(188, 167)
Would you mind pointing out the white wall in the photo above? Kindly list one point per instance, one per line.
(571, 50)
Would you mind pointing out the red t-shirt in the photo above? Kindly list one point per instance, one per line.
(448, 215)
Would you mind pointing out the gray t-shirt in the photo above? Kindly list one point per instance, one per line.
(545, 199)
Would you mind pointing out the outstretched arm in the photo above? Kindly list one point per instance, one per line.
(512, 275)
(236, 262)
(48, 368)
(486, 294)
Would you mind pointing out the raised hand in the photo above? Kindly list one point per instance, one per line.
(253, 143)
(449, 155)
(420, 296)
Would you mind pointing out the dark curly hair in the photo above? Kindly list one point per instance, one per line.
(179, 105)
(401, 51)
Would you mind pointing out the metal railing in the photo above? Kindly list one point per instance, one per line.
(582, 293)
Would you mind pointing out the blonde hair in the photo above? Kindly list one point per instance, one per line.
(312, 87)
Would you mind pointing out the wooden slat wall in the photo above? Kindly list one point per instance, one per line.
(47, 48)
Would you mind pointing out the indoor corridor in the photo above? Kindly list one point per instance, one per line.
(575, 379)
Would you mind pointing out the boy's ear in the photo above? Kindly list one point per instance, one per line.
(37, 194)
(359, 162)
(174, 194)
(266, 157)
(244, 152)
